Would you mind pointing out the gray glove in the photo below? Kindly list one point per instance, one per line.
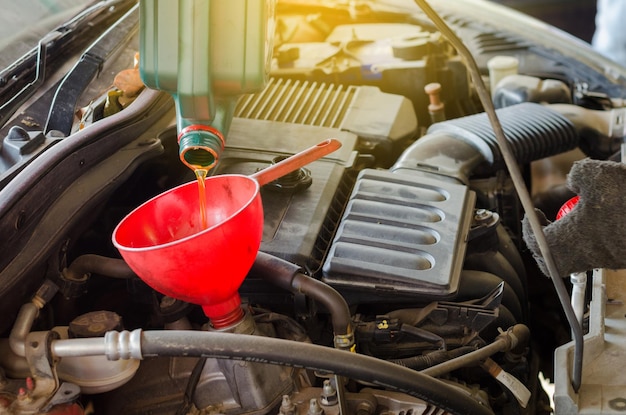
(593, 234)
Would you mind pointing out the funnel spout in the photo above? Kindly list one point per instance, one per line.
(226, 313)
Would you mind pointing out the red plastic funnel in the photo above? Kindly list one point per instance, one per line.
(567, 207)
(164, 243)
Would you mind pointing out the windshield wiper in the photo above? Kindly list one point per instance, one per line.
(20, 80)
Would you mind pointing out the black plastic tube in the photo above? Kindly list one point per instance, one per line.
(288, 276)
(295, 354)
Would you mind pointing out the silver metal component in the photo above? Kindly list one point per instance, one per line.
(602, 389)
(482, 215)
(67, 392)
(287, 407)
(342, 400)
(28, 313)
(344, 341)
(328, 396)
(115, 345)
(123, 345)
(44, 382)
(315, 408)
(579, 288)
(78, 347)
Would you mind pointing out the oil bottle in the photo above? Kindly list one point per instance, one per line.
(206, 54)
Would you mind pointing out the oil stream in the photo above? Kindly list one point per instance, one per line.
(201, 176)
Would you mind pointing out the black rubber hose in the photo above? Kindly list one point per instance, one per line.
(288, 276)
(295, 354)
(533, 131)
(101, 265)
(464, 146)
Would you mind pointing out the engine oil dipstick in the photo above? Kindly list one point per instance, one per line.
(517, 388)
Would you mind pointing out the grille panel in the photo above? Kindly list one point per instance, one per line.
(299, 102)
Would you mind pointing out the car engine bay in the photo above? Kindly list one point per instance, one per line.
(391, 277)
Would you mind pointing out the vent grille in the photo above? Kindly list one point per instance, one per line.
(486, 41)
(336, 208)
(299, 102)
(491, 42)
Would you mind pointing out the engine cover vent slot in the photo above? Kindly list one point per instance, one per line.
(299, 102)
(401, 235)
(494, 43)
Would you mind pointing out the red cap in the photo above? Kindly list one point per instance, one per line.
(567, 207)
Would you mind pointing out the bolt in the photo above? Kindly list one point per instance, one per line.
(287, 407)
(328, 396)
(315, 408)
(482, 215)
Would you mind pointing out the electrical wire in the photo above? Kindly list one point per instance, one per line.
(520, 187)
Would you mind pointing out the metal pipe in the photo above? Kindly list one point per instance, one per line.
(23, 323)
(579, 287)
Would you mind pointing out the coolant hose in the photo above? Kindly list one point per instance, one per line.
(288, 276)
(533, 131)
(261, 349)
(89, 263)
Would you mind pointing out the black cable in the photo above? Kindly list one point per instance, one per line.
(519, 184)
(192, 383)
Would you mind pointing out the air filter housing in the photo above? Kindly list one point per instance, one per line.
(401, 234)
